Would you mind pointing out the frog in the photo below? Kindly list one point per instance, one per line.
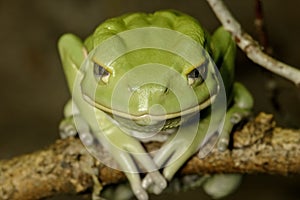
(153, 77)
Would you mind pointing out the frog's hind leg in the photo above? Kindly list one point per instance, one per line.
(179, 148)
(242, 104)
(220, 185)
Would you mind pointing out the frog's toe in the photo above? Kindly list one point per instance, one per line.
(223, 143)
(159, 180)
(147, 181)
(140, 193)
(67, 129)
(86, 138)
(236, 117)
(154, 182)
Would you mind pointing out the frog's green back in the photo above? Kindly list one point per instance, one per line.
(171, 19)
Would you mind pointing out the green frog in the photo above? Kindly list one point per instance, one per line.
(146, 77)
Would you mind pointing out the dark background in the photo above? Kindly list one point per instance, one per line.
(33, 89)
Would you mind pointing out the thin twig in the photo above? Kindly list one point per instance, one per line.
(260, 27)
(251, 47)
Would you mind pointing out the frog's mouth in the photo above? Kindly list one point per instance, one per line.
(148, 123)
(145, 118)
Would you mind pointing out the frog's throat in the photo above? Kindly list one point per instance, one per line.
(167, 116)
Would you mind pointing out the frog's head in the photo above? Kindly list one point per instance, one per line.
(149, 68)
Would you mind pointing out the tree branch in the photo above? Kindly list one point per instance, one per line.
(251, 47)
(65, 166)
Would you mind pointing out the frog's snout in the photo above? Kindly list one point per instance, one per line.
(149, 98)
(149, 88)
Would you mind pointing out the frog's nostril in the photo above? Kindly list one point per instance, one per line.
(166, 90)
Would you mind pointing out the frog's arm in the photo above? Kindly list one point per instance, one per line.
(240, 104)
(72, 54)
(224, 51)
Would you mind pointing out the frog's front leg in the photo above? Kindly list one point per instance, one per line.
(179, 148)
(73, 123)
(242, 104)
(131, 157)
(67, 126)
(70, 126)
(126, 150)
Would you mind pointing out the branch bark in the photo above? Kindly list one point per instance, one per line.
(251, 47)
(65, 166)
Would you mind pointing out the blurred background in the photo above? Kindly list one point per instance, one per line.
(34, 91)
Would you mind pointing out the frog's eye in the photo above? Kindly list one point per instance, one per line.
(198, 74)
(101, 73)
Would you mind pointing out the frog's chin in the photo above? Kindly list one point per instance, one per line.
(145, 118)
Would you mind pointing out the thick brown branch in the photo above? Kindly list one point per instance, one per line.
(65, 166)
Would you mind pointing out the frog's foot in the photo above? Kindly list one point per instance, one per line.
(241, 107)
(221, 185)
(133, 161)
(154, 182)
(172, 155)
(233, 116)
(67, 128)
(71, 126)
(173, 158)
(155, 179)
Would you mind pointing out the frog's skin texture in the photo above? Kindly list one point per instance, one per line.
(99, 115)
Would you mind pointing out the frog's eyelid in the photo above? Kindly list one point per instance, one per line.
(191, 68)
(109, 70)
(198, 74)
(202, 68)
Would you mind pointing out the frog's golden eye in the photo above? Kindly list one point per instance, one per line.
(100, 73)
(198, 75)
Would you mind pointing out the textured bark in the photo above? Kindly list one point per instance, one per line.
(66, 166)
